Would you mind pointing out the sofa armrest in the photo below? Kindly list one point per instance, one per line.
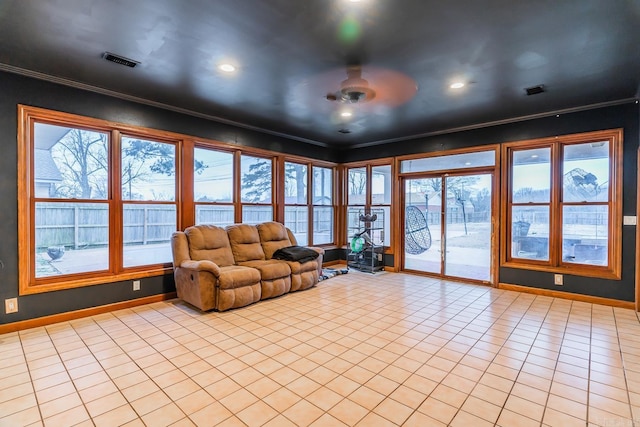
(320, 259)
(317, 249)
(204, 265)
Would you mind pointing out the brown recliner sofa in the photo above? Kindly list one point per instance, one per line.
(220, 269)
(205, 271)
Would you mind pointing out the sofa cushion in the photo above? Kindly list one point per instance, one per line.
(236, 276)
(245, 243)
(275, 277)
(270, 269)
(273, 236)
(208, 242)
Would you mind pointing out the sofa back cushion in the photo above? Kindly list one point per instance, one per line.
(208, 242)
(273, 236)
(245, 243)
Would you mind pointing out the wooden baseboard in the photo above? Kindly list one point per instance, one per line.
(334, 262)
(568, 295)
(77, 314)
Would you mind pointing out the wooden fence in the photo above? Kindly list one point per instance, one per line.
(86, 225)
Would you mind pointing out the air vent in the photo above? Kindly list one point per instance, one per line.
(119, 59)
(344, 131)
(534, 90)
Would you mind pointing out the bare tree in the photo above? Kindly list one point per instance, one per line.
(81, 157)
(357, 182)
(296, 181)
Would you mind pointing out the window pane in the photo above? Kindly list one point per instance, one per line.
(71, 238)
(381, 185)
(213, 176)
(585, 234)
(532, 176)
(353, 221)
(296, 218)
(220, 215)
(322, 225)
(147, 233)
(256, 179)
(382, 236)
(586, 172)
(322, 186)
(70, 163)
(453, 161)
(295, 184)
(530, 232)
(148, 170)
(256, 214)
(357, 186)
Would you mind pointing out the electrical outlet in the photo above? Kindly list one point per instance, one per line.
(11, 305)
(380, 257)
(557, 279)
(136, 285)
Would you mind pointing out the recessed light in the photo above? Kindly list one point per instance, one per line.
(534, 156)
(346, 114)
(467, 163)
(227, 68)
(457, 85)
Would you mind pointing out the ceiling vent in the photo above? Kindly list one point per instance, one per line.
(119, 59)
(344, 130)
(534, 90)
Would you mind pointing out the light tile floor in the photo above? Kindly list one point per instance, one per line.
(359, 349)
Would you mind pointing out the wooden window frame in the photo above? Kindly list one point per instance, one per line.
(28, 283)
(368, 205)
(312, 206)
(275, 174)
(282, 166)
(613, 269)
(184, 196)
(310, 164)
(189, 177)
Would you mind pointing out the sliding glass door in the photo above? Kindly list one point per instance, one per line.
(447, 225)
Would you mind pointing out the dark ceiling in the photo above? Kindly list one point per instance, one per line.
(290, 54)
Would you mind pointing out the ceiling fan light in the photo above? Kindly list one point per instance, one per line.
(355, 94)
(227, 68)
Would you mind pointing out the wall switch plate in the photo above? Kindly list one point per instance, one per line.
(629, 220)
(557, 279)
(136, 285)
(11, 305)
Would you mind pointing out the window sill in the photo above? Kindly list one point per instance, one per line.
(573, 270)
(74, 282)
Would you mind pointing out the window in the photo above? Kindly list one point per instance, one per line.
(213, 187)
(381, 199)
(564, 204)
(356, 198)
(71, 205)
(369, 190)
(149, 208)
(256, 189)
(76, 228)
(322, 201)
(296, 210)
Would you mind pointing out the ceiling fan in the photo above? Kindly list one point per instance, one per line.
(354, 89)
(370, 84)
